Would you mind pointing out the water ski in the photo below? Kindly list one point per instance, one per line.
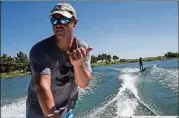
(143, 70)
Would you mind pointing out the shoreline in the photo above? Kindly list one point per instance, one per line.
(117, 62)
(13, 74)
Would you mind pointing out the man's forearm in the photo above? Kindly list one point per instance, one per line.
(82, 76)
(45, 96)
(46, 101)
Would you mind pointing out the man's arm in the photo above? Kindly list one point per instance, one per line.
(82, 76)
(44, 94)
(81, 60)
(41, 76)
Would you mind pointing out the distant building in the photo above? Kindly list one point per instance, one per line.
(122, 60)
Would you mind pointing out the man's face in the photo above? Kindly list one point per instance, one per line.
(63, 31)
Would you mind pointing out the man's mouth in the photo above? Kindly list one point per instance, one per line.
(59, 31)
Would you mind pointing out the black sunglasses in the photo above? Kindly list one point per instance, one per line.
(62, 20)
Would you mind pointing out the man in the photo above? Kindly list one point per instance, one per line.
(59, 64)
(140, 64)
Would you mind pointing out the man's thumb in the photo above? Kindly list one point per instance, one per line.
(89, 50)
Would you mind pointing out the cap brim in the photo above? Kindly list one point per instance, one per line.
(64, 13)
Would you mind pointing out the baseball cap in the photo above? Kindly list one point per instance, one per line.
(64, 9)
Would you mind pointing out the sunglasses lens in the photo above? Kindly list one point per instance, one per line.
(64, 20)
(53, 21)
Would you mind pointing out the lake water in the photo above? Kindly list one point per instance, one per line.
(115, 91)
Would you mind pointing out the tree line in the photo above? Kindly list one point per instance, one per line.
(172, 55)
(103, 57)
(108, 58)
(21, 61)
(18, 63)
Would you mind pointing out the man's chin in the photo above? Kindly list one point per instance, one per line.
(59, 36)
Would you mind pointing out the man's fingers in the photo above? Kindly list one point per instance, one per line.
(71, 56)
(75, 55)
(83, 51)
(79, 54)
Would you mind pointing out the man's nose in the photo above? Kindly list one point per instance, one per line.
(58, 26)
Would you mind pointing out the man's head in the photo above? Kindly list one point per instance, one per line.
(63, 18)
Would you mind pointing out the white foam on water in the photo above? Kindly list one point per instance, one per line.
(126, 109)
(115, 69)
(129, 70)
(92, 86)
(168, 77)
(124, 105)
(15, 110)
(82, 92)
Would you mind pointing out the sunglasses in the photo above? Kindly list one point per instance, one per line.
(63, 20)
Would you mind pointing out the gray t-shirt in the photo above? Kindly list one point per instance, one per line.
(47, 58)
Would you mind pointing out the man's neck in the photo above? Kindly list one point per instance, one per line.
(65, 45)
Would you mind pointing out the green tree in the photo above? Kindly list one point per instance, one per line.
(104, 57)
(22, 61)
(171, 55)
(21, 57)
(4, 58)
(108, 58)
(166, 55)
(3, 63)
(177, 54)
(10, 60)
(9, 64)
(93, 59)
(115, 58)
(2, 68)
(99, 58)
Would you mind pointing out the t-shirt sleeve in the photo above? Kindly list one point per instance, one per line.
(39, 62)
(87, 61)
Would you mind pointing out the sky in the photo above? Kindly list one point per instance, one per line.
(126, 29)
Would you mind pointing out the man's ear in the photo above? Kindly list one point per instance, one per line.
(75, 23)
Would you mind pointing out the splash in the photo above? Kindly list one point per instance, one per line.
(121, 105)
(168, 77)
(14, 110)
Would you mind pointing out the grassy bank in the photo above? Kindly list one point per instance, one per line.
(107, 64)
(13, 74)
